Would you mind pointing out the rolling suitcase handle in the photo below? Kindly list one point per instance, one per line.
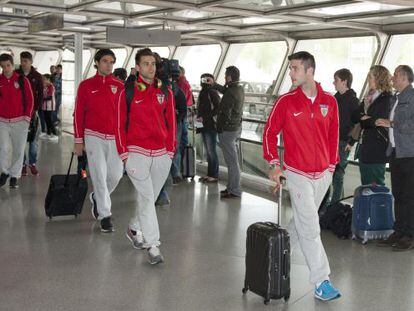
(279, 205)
(68, 173)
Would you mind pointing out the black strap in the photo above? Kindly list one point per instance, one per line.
(21, 85)
(129, 94)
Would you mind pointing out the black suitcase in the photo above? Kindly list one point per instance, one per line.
(188, 163)
(268, 260)
(66, 194)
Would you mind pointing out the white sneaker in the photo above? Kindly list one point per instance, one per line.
(53, 138)
(136, 238)
(154, 255)
(43, 136)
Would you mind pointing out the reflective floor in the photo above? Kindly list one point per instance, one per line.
(68, 264)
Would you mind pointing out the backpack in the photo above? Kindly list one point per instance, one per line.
(338, 219)
(129, 94)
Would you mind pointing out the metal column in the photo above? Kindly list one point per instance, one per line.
(78, 59)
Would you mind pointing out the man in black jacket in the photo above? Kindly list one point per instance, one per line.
(36, 81)
(348, 103)
(229, 127)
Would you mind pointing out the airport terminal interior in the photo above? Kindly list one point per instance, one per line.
(67, 263)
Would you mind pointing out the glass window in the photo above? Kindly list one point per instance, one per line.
(86, 55)
(198, 59)
(68, 72)
(44, 59)
(259, 64)
(356, 54)
(163, 51)
(400, 52)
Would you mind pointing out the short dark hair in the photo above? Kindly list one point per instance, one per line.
(307, 59)
(407, 71)
(207, 75)
(48, 76)
(143, 52)
(6, 57)
(233, 72)
(26, 55)
(120, 73)
(101, 53)
(345, 75)
(59, 66)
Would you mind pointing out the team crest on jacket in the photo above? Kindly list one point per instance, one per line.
(16, 85)
(324, 110)
(114, 88)
(160, 98)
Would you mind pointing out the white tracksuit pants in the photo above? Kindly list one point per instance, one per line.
(106, 170)
(14, 135)
(306, 195)
(148, 174)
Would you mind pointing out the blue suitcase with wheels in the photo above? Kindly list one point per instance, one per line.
(373, 214)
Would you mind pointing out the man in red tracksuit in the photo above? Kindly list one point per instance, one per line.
(95, 124)
(146, 139)
(16, 109)
(308, 119)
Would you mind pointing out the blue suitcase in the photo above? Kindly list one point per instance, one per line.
(373, 214)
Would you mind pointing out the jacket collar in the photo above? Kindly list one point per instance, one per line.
(318, 94)
(405, 94)
(102, 78)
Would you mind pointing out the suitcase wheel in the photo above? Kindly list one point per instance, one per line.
(266, 301)
(286, 298)
(244, 290)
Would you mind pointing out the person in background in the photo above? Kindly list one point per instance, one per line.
(120, 74)
(401, 151)
(184, 85)
(16, 111)
(48, 107)
(229, 128)
(57, 82)
(348, 104)
(52, 70)
(308, 119)
(36, 82)
(95, 127)
(207, 107)
(374, 140)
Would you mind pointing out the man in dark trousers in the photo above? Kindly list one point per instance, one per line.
(36, 81)
(229, 127)
(401, 150)
(348, 103)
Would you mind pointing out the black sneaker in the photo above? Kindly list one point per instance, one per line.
(94, 209)
(13, 183)
(106, 225)
(3, 179)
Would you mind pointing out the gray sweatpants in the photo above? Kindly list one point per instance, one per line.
(148, 175)
(228, 142)
(306, 195)
(14, 135)
(106, 169)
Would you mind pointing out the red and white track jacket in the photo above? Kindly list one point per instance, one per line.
(11, 104)
(310, 133)
(95, 107)
(152, 127)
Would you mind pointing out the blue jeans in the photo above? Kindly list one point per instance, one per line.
(176, 162)
(33, 145)
(210, 142)
(184, 135)
(338, 176)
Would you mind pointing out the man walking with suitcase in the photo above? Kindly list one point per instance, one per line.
(308, 119)
(146, 141)
(16, 110)
(95, 124)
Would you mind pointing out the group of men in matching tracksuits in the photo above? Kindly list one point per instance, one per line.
(138, 131)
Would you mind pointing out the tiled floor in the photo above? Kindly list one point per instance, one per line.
(68, 264)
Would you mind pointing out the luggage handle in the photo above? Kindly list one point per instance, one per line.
(279, 207)
(285, 264)
(68, 173)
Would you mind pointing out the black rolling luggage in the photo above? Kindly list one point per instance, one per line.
(66, 194)
(188, 164)
(268, 260)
